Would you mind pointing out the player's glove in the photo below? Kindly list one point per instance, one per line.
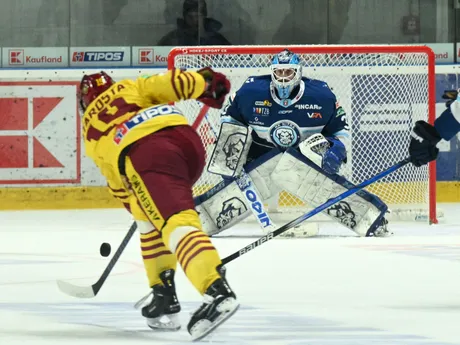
(422, 147)
(334, 156)
(218, 86)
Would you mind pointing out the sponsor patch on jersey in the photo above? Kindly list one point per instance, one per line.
(285, 134)
(339, 109)
(265, 103)
(286, 102)
(308, 107)
(141, 117)
(340, 112)
(261, 111)
(120, 133)
(314, 115)
(256, 122)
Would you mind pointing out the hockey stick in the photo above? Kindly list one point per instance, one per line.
(92, 290)
(313, 212)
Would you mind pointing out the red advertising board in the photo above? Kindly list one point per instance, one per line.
(39, 133)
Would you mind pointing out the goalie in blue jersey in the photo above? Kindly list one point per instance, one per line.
(286, 132)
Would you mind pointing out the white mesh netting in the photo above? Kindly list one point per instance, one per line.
(383, 95)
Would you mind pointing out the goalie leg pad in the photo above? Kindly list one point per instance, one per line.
(231, 150)
(299, 176)
(222, 207)
(225, 205)
(260, 170)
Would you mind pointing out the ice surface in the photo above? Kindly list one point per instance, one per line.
(335, 289)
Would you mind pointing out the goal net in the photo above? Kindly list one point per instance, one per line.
(384, 90)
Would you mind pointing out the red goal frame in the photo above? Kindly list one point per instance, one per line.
(339, 50)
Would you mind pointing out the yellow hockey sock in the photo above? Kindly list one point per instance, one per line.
(199, 259)
(157, 258)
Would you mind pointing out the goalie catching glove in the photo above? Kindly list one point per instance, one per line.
(328, 153)
(217, 87)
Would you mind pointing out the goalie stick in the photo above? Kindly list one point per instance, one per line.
(313, 212)
(92, 290)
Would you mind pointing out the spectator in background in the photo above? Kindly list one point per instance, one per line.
(313, 22)
(111, 10)
(195, 28)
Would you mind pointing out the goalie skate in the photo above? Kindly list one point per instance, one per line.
(381, 230)
(219, 305)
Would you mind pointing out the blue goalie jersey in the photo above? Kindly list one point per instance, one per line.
(284, 123)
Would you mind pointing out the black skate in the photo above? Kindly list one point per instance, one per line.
(220, 303)
(162, 312)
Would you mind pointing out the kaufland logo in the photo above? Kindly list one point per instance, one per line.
(148, 56)
(97, 56)
(18, 57)
(145, 56)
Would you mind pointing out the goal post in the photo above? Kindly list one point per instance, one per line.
(384, 90)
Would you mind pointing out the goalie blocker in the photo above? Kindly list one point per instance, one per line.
(225, 205)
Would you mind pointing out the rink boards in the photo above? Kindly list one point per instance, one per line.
(42, 161)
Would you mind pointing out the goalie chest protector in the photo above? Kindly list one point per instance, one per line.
(284, 123)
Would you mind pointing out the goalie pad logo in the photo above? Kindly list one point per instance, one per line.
(231, 209)
(343, 212)
(232, 149)
(285, 134)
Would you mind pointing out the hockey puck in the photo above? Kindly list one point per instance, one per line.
(105, 249)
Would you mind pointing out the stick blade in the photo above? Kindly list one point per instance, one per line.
(75, 290)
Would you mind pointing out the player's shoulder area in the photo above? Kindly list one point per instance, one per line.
(318, 87)
(126, 82)
(256, 83)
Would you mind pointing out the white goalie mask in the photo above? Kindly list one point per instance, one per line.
(286, 73)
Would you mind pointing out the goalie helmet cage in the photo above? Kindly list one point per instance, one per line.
(383, 89)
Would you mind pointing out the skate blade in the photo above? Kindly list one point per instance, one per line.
(232, 307)
(165, 323)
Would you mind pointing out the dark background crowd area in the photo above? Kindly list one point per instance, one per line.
(60, 23)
